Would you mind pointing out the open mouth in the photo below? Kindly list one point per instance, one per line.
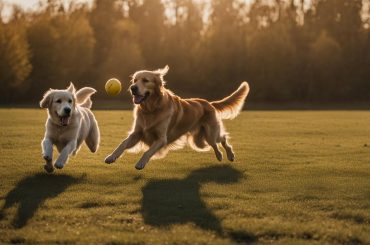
(138, 99)
(64, 121)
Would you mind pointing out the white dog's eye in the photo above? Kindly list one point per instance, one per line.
(58, 101)
(70, 101)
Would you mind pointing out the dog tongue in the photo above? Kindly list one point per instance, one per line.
(64, 121)
(138, 99)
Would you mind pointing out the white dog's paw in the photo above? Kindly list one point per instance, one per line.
(47, 157)
(110, 159)
(59, 165)
(49, 168)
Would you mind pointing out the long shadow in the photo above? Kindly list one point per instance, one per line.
(32, 191)
(178, 201)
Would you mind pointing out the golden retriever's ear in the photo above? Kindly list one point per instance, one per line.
(71, 88)
(46, 100)
(162, 72)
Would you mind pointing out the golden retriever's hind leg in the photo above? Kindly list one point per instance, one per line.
(228, 149)
(198, 138)
(217, 151)
(212, 134)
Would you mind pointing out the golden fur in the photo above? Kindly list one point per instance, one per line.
(164, 121)
(68, 131)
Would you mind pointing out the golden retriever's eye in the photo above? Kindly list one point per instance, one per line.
(145, 80)
(58, 101)
(70, 101)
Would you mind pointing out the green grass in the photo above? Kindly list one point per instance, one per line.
(299, 177)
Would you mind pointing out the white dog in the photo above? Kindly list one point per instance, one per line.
(70, 122)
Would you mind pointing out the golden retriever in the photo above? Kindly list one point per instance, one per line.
(70, 122)
(164, 121)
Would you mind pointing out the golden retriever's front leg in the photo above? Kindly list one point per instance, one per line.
(63, 157)
(158, 144)
(127, 143)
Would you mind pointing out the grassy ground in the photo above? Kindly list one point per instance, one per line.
(299, 177)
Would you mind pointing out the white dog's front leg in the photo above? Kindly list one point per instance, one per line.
(47, 149)
(47, 154)
(149, 153)
(63, 157)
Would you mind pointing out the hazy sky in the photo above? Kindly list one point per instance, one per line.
(33, 4)
(28, 4)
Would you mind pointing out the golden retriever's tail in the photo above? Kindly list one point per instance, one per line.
(230, 106)
(83, 97)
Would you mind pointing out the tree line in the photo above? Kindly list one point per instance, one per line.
(309, 51)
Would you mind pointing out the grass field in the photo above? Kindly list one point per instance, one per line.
(299, 177)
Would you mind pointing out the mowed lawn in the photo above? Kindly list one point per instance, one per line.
(299, 177)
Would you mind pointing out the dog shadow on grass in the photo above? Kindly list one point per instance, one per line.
(31, 192)
(168, 202)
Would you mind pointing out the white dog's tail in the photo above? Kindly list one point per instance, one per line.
(83, 97)
(230, 106)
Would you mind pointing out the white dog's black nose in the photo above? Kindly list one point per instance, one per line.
(134, 89)
(67, 110)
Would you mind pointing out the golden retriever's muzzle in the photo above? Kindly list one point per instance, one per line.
(137, 97)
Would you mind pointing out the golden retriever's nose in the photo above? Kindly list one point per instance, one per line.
(67, 110)
(134, 89)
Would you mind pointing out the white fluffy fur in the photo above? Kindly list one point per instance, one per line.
(82, 125)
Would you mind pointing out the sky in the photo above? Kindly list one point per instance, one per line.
(33, 4)
(28, 5)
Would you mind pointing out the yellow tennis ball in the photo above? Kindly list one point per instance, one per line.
(113, 86)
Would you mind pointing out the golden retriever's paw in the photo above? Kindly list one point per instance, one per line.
(59, 165)
(231, 156)
(140, 165)
(219, 156)
(49, 168)
(110, 159)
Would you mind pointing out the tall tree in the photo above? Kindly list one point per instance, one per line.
(224, 46)
(325, 62)
(103, 19)
(15, 65)
(181, 45)
(62, 47)
(150, 18)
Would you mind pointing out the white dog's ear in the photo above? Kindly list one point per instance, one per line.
(71, 88)
(162, 72)
(46, 100)
(83, 94)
